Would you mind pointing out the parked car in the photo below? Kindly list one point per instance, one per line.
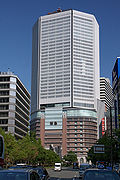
(17, 167)
(116, 167)
(75, 165)
(82, 169)
(100, 174)
(42, 172)
(19, 174)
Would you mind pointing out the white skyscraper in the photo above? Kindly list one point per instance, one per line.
(65, 61)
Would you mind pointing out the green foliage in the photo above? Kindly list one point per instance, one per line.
(109, 144)
(27, 150)
(70, 157)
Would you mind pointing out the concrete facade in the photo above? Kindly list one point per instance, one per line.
(14, 105)
(106, 93)
(65, 61)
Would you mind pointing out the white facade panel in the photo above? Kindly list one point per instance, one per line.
(68, 60)
(55, 58)
(85, 60)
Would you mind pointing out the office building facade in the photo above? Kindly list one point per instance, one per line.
(65, 61)
(106, 93)
(14, 105)
(65, 67)
(116, 91)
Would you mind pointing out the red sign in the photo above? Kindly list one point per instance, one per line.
(103, 126)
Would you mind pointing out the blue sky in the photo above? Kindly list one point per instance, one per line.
(18, 16)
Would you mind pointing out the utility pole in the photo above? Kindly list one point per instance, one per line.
(111, 137)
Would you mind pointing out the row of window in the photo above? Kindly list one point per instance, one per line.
(83, 27)
(55, 33)
(56, 48)
(55, 44)
(4, 93)
(75, 53)
(80, 23)
(84, 104)
(83, 19)
(79, 40)
(54, 53)
(3, 121)
(83, 94)
(82, 44)
(3, 79)
(57, 96)
(83, 62)
(79, 30)
(44, 78)
(3, 114)
(46, 42)
(4, 107)
(66, 54)
(80, 33)
(56, 19)
(4, 86)
(55, 30)
(53, 89)
(52, 26)
(53, 86)
(54, 93)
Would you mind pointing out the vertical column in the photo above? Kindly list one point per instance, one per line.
(64, 134)
(42, 130)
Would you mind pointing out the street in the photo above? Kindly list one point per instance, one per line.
(65, 173)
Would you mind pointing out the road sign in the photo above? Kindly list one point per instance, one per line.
(98, 148)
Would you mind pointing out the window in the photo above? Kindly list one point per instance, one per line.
(55, 123)
(51, 123)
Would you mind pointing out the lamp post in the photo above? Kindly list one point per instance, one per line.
(111, 154)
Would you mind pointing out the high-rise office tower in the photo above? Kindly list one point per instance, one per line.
(65, 67)
(106, 94)
(65, 60)
(14, 105)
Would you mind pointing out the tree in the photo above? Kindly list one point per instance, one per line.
(106, 156)
(27, 150)
(70, 157)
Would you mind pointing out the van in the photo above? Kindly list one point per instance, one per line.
(57, 167)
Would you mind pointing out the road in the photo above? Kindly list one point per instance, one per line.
(64, 174)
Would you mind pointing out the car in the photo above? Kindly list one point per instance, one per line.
(82, 169)
(42, 172)
(100, 174)
(17, 167)
(75, 165)
(101, 166)
(19, 174)
(116, 167)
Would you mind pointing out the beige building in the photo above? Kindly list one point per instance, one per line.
(14, 105)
